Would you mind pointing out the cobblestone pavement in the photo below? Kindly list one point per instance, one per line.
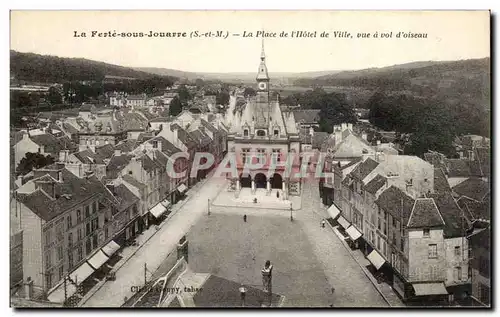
(352, 287)
(156, 249)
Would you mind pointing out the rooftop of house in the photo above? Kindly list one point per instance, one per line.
(105, 151)
(307, 116)
(375, 184)
(51, 143)
(440, 182)
(116, 164)
(456, 220)
(68, 193)
(88, 157)
(125, 197)
(166, 146)
(474, 188)
(134, 182)
(425, 214)
(392, 199)
(364, 168)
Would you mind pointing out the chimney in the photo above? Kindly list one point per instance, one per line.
(26, 136)
(159, 145)
(364, 136)
(63, 156)
(28, 288)
(349, 126)
(343, 126)
(311, 131)
(42, 149)
(118, 152)
(59, 176)
(176, 136)
(378, 142)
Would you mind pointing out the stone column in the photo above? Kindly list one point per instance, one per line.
(238, 185)
(284, 191)
(253, 185)
(268, 186)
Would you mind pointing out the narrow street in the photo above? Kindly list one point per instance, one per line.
(113, 293)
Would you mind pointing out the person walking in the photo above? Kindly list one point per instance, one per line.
(323, 223)
(245, 218)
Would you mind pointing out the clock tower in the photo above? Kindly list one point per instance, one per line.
(262, 76)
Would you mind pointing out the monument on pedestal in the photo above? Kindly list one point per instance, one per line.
(267, 277)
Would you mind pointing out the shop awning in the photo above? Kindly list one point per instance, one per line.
(343, 222)
(158, 210)
(57, 295)
(333, 211)
(182, 188)
(376, 259)
(98, 259)
(422, 289)
(110, 248)
(166, 203)
(353, 233)
(80, 274)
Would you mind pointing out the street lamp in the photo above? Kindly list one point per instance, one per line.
(209, 206)
(291, 215)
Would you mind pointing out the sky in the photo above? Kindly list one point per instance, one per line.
(451, 35)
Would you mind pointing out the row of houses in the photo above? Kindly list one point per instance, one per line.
(411, 218)
(70, 218)
(120, 99)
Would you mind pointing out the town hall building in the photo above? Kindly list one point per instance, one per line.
(259, 130)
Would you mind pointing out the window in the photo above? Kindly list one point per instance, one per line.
(394, 238)
(47, 237)
(61, 272)
(79, 253)
(94, 241)
(59, 232)
(378, 242)
(457, 251)
(245, 155)
(458, 273)
(245, 132)
(261, 156)
(96, 206)
(69, 222)
(48, 280)
(78, 216)
(87, 211)
(88, 246)
(59, 253)
(80, 234)
(70, 259)
(276, 132)
(70, 239)
(427, 232)
(261, 133)
(484, 266)
(384, 248)
(484, 294)
(87, 227)
(432, 250)
(48, 260)
(106, 233)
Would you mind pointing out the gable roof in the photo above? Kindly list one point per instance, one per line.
(456, 221)
(166, 146)
(116, 164)
(105, 151)
(397, 203)
(184, 136)
(375, 184)
(364, 168)
(307, 116)
(88, 157)
(127, 145)
(425, 214)
(474, 188)
(134, 182)
(440, 182)
(50, 143)
(126, 198)
(72, 191)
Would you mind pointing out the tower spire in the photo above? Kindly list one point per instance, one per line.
(262, 54)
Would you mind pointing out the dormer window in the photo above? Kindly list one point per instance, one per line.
(276, 132)
(245, 132)
(261, 133)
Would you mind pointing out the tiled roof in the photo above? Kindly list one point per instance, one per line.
(458, 168)
(306, 116)
(201, 137)
(125, 197)
(208, 126)
(147, 163)
(160, 119)
(425, 214)
(126, 146)
(474, 188)
(455, 219)
(440, 181)
(134, 182)
(72, 191)
(144, 136)
(364, 168)
(394, 201)
(69, 128)
(133, 121)
(106, 151)
(166, 146)
(88, 157)
(375, 184)
(116, 164)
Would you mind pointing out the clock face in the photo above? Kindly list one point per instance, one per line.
(262, 85)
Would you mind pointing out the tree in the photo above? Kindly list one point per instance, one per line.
(222, 98)
(175, 106)
(54, 97)
(33, 160)
(249, 91)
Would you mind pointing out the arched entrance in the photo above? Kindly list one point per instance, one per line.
(245, 181)
(277, 181)
(260, 181)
